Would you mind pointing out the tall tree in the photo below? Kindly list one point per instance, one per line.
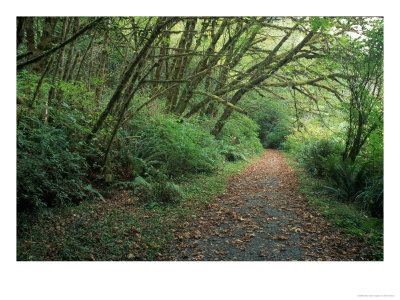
(362, 61)
(46, 40)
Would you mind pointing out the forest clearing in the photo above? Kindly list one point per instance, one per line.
(199, 138)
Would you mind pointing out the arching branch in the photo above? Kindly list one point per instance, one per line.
(225, 102)
(63, 44)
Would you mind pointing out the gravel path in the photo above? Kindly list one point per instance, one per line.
(262, 217)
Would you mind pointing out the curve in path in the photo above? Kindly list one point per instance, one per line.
(262, 217)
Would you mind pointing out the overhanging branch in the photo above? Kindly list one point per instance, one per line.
(225, 102)
(54, 49)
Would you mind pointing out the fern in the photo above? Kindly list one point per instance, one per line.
(347, 178)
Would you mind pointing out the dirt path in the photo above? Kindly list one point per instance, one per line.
(262, 217)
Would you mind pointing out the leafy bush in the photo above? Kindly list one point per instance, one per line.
(238, 139)
(165, 143)
(50, 171)
(166, 192)
(371, 198)
(156, 150)
(360, 182)
(26, 85)
(347, 178)
(356, 182)
(314, 154)
(158, 189)
(230, 152)
(274, 125)
(77, 95)
(142, 188)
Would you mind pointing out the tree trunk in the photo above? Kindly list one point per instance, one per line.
(63, 44)
(39, 85)
(227, 112)
(176, 65)
(257, 79)
(77, 77)
(102, 65)
(70, 55)
(20, 30)
(128, 74)
(45, 42)
(30, 35)
(59, 67)
(73, 67)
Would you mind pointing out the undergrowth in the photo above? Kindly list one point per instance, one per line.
(125, 228)
(344, 216)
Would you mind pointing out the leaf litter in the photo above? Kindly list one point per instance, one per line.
(261, 216)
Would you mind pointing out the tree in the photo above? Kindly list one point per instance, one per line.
(361, 60)
(196, 65)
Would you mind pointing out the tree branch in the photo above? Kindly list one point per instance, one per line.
(54, 49)
(225, 102)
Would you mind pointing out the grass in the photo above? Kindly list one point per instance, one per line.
(343, 216)
(120, 228)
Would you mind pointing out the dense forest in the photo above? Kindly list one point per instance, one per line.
(129, 128)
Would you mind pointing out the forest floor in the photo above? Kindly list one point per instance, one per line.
(253, 214)
(261, 216)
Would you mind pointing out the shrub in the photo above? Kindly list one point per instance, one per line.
(274, 127)
(165, 147)
(238, 139)
(26, 85)
(166, 192)
(230, 152)
(50, 171)
(166, 143)
(142, 188)
(314, 153)
(347, 178)
(356, 182)
(157, 189)
(371, 198)
(360, 182)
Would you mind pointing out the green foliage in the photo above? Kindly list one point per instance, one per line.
(26, 83)
(157, 189)
(165, 143)
(361, 60)
(154, 189)
(316, 152)
(359, 182)
(76, 95)
(325, 23)
(154, 151)
(166, 192)
(346, 177)
(92, 192)
(371, 197)
(238, 139)
(273, 120)
(343, 215)
(50, 171)
(142, 188)
(373, 151)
